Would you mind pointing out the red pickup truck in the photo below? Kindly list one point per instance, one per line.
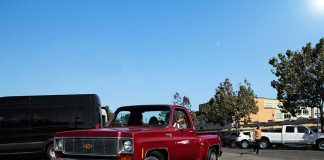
(141, 132)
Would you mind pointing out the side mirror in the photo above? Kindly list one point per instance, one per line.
(308, 131)
(103, 119)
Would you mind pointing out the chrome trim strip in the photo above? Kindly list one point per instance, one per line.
(118, 139)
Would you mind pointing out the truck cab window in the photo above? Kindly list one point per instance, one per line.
(301, 129)
(290, 129)
(180, 119)
(121, 118)
(246, 133)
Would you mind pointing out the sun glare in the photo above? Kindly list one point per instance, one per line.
(318, 5)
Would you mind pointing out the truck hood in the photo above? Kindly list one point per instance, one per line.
(320, 135)
(107, 132)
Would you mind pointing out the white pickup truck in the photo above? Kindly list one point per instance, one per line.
(292, 135)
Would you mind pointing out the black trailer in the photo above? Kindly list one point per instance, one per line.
(28, 123)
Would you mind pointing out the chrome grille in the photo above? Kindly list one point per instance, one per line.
(90, 146)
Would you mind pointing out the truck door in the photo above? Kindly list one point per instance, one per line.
(185, 138)
(288, 135)
(301, 135)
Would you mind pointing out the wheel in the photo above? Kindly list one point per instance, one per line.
(264, 144)
(223, 143)
(233, 144)
(212, 154)
(50, 152)
(245, 144)
(320, 145)
(155, 155)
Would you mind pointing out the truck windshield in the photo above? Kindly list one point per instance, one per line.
(141, 116)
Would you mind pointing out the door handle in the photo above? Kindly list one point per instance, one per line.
(192, 131)
(169, 134)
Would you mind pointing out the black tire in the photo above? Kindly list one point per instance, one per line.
(245, 144)
(50, 153)
(264, 144)
(233, 144)
(155, 155)
(320, 145)
(223, 144)
(212, 154)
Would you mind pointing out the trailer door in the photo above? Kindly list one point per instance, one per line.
(14, 128)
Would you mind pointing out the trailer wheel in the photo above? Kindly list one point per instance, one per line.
(320, 144)
(212, 154)
(50, 152)
(155, 155)
(264, 144)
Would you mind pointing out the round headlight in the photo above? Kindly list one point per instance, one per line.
(128, 146)
(59, 144)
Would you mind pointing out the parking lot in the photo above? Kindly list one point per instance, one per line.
(272, 154)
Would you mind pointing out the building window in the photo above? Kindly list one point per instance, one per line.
(287, 116)
(305, 112)
(278, 116)
(268, 105)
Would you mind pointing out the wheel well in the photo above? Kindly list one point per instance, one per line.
(265, 138)
(216, 148)
(164, 152)
(244, 140)
(46, 145)
(318, 140)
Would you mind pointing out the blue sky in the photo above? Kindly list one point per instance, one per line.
(143, 51)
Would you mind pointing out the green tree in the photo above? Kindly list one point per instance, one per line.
(300, 78)
(245, 103)
(230, 105)
(185, 102)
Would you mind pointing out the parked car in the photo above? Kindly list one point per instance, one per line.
(293, 135)
(230, 139)
(149, 132)
(245, 139)
(28, 123)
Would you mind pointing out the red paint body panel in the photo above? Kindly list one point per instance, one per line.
(178, 143)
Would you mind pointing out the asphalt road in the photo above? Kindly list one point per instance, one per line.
(272, 154)
(244, 154)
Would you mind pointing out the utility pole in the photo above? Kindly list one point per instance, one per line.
(318, 117)
(322, 106)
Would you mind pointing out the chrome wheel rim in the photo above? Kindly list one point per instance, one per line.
(233, 145)
(263, 145)
(245, 144)
(151, 158)
(321, 145)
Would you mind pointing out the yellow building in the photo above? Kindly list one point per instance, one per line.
(268, 110)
